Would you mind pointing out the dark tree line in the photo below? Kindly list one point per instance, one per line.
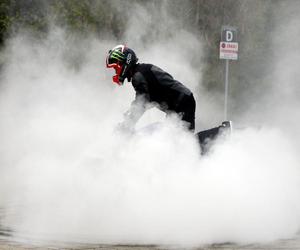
(254, 20)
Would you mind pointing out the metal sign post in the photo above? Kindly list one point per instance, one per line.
(226, 89)
(228, 51)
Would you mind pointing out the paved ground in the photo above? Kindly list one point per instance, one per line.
(291, 244)
(6, 242)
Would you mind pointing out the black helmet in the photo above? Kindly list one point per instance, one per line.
(122, 59)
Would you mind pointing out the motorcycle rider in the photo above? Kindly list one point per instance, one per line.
(155, 87)
(152, 86)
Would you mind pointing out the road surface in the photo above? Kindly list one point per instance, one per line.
(6, 243)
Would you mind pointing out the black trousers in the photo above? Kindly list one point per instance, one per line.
(186, 108)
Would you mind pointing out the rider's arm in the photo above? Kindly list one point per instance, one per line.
(141, 102)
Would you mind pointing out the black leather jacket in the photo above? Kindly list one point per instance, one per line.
(157, 87)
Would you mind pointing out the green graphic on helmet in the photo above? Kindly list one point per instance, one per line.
(118, 55)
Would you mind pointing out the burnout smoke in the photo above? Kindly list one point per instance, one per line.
(66, 174)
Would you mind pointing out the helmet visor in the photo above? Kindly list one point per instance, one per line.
(111, 62)
(114, 58)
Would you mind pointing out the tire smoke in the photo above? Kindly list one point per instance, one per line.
(67, 175)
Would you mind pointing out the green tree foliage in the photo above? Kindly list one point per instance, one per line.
(30, 14)
(253, 19)
(5, 19)
(83, 16)
(87, 16)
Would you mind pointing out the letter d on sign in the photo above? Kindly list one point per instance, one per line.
(229, 35)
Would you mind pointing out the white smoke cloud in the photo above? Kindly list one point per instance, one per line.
(66, 175)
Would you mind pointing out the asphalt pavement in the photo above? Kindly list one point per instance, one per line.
(6, 243)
